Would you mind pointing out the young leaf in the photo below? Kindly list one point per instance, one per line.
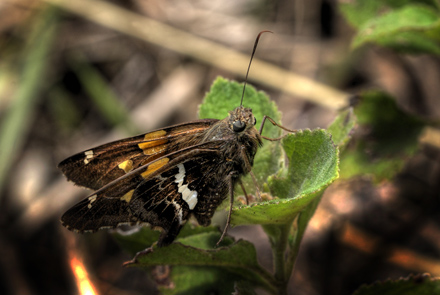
(313, 165)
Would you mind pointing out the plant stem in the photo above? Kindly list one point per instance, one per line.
(302, 221)
(294, 249)
(278, 237)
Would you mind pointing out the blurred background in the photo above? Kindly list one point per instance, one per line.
(75, 74)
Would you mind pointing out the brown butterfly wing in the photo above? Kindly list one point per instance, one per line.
(162, 193)
(96, 167)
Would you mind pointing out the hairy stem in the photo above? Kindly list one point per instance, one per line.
(278, 237)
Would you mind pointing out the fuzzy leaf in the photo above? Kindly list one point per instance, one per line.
(313, 165)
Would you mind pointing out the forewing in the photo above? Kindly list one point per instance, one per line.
(96, 167)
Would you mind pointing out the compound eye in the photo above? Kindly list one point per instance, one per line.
(255, 121)
(238, 126)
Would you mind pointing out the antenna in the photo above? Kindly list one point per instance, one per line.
(250, 62)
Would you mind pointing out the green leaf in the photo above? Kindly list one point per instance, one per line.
(237, 261)
(410, 29)
(196, 266)
(145, 237)
(358, 12)
(313, 165)
(188, 280)
(413, 285)
(390, 136)
(224, 96)
(342, 127)
(241, 254)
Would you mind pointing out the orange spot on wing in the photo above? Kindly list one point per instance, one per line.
(154, 150)
(127, 197)
(155, 166)
(154, 135)
(126, 165)
(146, 146)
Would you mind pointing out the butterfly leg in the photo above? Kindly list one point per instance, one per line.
(138, 254)
(244, 191)
(249, 168)
(275, 124)
(231, 198)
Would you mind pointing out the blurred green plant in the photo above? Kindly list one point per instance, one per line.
(17, 120)
(389, 138)
(405, 26)
(388, 135)
(102, 96)
(419, 284)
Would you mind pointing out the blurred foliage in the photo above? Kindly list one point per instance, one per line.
(33, 59)
(405, 26)
(97, 88)
(413, 285)
(388, 137)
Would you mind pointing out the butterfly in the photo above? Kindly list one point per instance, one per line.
(163, 177)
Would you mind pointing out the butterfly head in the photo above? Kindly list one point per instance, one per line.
(241, 119)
